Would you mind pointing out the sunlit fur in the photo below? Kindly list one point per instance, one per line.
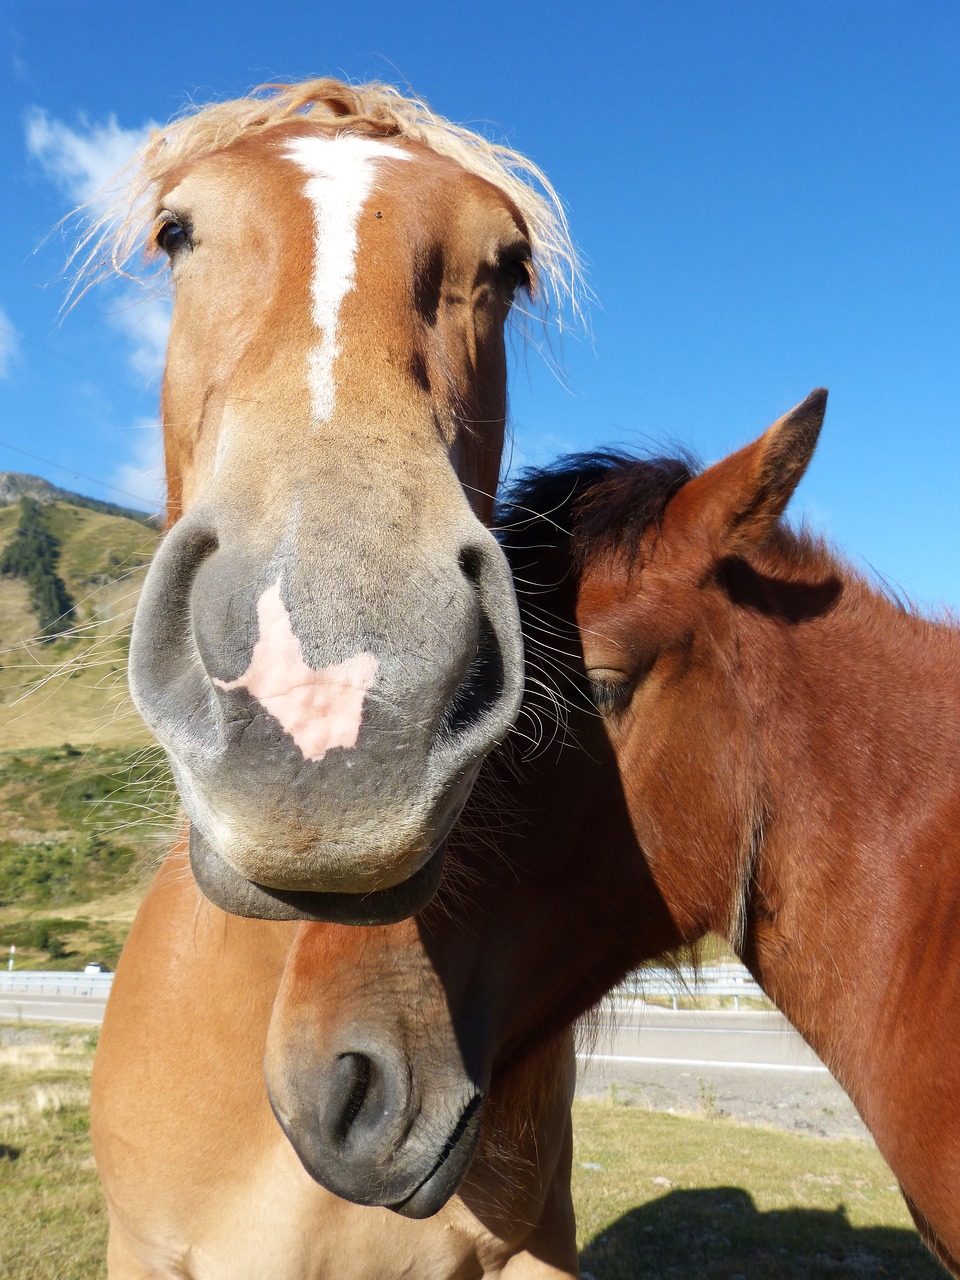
(114, 240)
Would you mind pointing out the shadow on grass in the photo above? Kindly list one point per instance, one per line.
(719, 1232)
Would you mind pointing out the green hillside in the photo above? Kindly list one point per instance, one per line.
(87, 805)
(74, 688)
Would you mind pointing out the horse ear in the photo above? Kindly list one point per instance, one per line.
(737, 502)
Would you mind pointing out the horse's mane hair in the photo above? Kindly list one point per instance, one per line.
(113, 240)
(601, 501)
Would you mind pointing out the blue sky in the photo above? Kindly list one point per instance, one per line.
(767, 197)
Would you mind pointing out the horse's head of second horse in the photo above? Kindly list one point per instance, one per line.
(327, 644)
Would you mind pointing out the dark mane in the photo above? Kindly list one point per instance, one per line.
(602, 500)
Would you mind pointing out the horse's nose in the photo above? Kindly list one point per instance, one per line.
(361, 1128)
(325, 720)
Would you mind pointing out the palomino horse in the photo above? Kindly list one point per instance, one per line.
(773, 760)
(327, 643)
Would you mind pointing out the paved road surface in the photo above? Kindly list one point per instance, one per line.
(749, 1065)
(84, 1009)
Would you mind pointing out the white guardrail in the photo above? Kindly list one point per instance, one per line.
(684, 982)
(729, 980)
(50, 982)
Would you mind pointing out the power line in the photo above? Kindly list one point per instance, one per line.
(78, 475)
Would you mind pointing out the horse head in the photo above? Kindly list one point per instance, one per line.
(327, 644)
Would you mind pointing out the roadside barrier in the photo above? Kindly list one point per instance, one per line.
(685, 982)
(659, 982)
(50, 982)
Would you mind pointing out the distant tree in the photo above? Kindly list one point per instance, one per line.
(33, 554)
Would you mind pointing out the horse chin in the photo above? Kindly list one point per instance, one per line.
(449, 1171)
(227, 889)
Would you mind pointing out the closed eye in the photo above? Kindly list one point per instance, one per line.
(609, 689)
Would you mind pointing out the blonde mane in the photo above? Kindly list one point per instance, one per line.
(115, 240)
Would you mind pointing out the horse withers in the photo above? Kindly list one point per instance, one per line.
(327, 643)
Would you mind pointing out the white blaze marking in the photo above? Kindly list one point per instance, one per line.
(342, 172)
(318, 709)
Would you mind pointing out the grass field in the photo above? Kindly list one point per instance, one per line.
(74, 689)
(656, 1195)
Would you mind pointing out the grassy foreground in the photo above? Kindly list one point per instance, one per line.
(656, 1195)
(660, 1195)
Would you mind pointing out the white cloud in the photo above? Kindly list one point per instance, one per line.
(142, 475)
(83, 162)
(9, 344)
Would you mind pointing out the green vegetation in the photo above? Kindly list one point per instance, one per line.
(72, 685)
(51, 1206)
(77, 827)
(670, 1196)
(33, 555)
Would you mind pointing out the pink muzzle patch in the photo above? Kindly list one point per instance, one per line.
(321, 709)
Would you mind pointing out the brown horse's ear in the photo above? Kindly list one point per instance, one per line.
(737, 502)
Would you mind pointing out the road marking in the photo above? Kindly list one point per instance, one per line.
(700, 1062)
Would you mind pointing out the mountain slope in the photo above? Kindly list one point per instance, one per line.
(73, 689)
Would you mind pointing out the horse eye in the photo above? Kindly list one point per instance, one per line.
(172, 237)
(609, 690)
(515, 274)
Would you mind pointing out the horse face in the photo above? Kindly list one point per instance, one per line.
(327, 643)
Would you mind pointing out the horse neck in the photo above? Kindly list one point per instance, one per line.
(857, 714)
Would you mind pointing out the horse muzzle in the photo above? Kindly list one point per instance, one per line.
(364, 1128)
(324, 724)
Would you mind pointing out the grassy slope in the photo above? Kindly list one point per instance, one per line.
(74, 690)
(656, 1196)
(79, 835)
(80, 824)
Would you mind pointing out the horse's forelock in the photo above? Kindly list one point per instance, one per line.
(113, 240)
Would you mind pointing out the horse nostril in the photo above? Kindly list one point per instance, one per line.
(471, 564)
(355, 1072)
(480, 688)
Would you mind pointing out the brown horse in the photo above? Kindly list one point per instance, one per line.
(201, 1181)
(327, 643)
(773, 760)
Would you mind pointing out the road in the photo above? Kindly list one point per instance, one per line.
(82, 1009)
(748, 1040)
(749, 1065)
